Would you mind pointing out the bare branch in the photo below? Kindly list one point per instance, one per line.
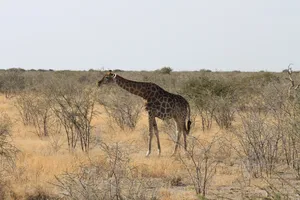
(292, 86)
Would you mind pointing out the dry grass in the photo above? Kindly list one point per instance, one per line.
(37, 165)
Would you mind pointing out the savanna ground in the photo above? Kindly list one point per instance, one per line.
(61, 137)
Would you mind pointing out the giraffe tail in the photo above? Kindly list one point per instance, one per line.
(188, 126)
(189, 122)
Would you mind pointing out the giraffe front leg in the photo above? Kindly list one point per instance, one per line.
(150, 134)
(157, 136)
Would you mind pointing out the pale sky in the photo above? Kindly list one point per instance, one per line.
(246, 35)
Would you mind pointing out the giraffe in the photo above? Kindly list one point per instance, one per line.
(159, 103)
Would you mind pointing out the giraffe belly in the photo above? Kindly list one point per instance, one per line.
(159, 110)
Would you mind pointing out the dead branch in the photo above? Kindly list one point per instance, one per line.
(292, 86)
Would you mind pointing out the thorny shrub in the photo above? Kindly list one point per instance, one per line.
(7, 150)
(8, 153)
(74, 107)
(109, 178)
(269, 132)
(200, 164)
(35, 109)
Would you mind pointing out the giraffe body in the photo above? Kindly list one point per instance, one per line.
(160, 104)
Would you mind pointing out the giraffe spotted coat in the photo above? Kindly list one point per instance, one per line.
(160, 104)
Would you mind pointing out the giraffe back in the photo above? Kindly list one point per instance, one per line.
(165, 105)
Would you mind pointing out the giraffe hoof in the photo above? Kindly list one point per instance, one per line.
(175, 153)
(159, 152)
(148, 153)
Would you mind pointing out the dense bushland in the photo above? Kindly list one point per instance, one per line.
(261, 110)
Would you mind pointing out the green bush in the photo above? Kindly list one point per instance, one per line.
(165, 70)
(213, 99)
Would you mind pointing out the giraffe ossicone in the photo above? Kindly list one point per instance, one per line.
(160, 103)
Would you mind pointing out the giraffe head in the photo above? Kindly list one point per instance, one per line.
(108, 78)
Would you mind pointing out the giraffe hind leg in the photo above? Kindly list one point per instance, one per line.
(178, 135)
(185, 132)
(151, 119)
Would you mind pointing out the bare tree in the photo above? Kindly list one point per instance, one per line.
(75, 111)
(260, 142)
(8, 151)
(24, 104)
(34, 109)
(200, 164)
(293, 85)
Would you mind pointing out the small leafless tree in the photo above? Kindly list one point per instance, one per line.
(8, 151)
(34, 109)
(260, 142)
(293, 86)
(74, 106)
(41, 116)
(199, 164)
(24, 103)
(291, 120)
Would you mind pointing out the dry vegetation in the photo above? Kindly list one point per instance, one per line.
(61, 137)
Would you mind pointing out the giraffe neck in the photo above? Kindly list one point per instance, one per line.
(134, 87)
